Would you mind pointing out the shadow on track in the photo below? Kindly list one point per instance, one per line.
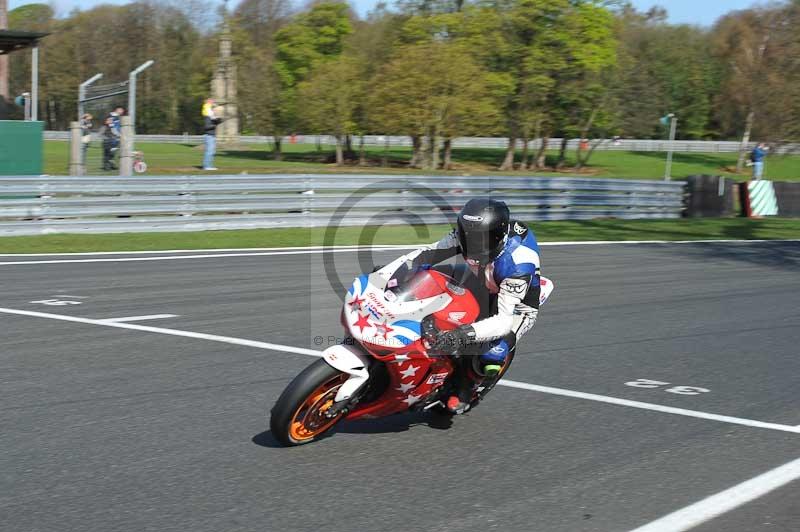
(396, 423)
(780, 255)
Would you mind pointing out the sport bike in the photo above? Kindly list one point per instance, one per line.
(386, 364)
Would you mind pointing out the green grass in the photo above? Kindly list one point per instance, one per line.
(300, 158)
(685, 229)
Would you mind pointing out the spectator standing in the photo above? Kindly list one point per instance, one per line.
(116, 115)
(86, 135)
(757, 157)
(110, 143)
(116, 128)
(210, 123)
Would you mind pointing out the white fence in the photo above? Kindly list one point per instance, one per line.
(40, 205)
(680, 146)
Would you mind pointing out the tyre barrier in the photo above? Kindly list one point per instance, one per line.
(759, 199)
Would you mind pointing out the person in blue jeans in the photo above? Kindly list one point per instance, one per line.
(757, 157)
(210, 123)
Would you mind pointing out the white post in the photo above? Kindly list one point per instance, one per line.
(126, 147)
(132, 91)
(35, 83)
(672, 130)
(76, 163)
(27, 97)
(82, 93)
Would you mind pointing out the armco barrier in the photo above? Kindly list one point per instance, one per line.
(194, 203)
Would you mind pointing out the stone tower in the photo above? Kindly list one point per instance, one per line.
(223, 88)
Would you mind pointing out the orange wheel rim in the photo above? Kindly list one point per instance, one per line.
(309, 419)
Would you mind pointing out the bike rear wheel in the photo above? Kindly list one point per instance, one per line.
(298, 416)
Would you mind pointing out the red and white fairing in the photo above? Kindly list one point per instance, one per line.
(375, 317)
(387, 327)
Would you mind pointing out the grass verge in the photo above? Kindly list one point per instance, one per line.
(168, 159)
(688, 229)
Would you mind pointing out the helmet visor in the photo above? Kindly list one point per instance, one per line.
(481, 246)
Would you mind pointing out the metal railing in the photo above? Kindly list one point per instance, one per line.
(39, 205)
(680, 146)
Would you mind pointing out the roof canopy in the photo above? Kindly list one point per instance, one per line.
(12, 41)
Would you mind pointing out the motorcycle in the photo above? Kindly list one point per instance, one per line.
(386, 365)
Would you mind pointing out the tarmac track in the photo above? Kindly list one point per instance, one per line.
(105, 428)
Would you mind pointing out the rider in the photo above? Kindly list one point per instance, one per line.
(504, 256)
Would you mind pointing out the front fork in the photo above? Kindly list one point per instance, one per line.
(351, 360)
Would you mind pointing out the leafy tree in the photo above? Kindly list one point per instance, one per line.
(434, 90)
(262, 19)
(311, 39)
(331, 97)
(664, 68)
(752, 44)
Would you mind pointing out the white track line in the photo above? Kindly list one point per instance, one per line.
(189, 257)
(650, 406)
(159, 330)
(241, 252)
(725, 501)
(208, 250)
(128, 319)
(504, 382)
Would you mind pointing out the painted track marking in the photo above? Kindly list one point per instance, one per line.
(261, 252)
(649, 406)
(190, 257)
(725, 501)
(128, 319)
(160, 330)
(505, 382)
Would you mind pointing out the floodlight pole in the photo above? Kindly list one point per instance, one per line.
(132, 91)
(35, 83)
(672, 130)
(82, 93)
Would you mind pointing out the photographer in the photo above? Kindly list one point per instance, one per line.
(757, 158)
(210, 123)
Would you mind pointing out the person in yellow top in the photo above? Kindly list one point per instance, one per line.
(210, 123)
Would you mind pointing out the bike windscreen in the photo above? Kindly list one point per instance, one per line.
(418, 285)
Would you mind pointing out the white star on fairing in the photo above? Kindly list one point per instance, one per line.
(409, 372)
(404, 387)
(411, 399)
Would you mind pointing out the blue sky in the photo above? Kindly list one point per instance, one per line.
(703, 12)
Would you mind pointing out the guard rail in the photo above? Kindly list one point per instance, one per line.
(38, 205)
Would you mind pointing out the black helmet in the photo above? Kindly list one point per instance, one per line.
(482, 229)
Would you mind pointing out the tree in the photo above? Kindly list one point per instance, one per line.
(742, 39)
(310, 39)
(664, 69)
(331, 97)
(433, 90)
(261, 20)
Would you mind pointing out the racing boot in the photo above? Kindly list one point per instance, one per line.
(459, 402)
